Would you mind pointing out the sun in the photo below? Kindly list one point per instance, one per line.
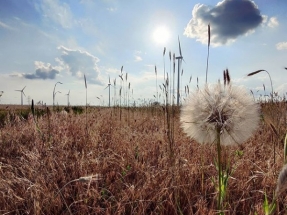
(161, 35)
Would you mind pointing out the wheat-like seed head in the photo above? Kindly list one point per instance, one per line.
(281, 182)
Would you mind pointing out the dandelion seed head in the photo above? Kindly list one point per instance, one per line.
(227, 109)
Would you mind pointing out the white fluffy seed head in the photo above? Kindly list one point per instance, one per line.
(227, 108)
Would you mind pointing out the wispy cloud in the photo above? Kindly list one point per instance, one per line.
(281, 46)
(3, 25)
(112, 9)
(114, 71)
(138, 58)
(58, 12)
(229, 19)
(273, 22)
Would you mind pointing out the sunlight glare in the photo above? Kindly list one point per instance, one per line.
(161, 35)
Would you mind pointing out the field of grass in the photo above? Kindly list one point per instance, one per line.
(119, 161)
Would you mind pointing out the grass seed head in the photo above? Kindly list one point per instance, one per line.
(281, 182)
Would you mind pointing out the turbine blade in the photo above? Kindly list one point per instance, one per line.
(23, 88)
(224, 77)
(23, 93)
(179, 47)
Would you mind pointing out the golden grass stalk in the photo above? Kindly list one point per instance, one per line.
(208, 45)
(226, 77)
(163, 54)
(262, 70)
(281, 182)
(285, 149)
(155, 70)
(85, 81)
(86, 105)
(173, 79)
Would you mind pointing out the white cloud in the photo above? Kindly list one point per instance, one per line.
(74, 61)
(273, 22)
(265, 19)
(112, 9)
(58, 12)
(281, 46)
(79, 63)
(43, 71)
(282, 89)
(228, 20)
(138, 58)
(16, 75)
(112, 70)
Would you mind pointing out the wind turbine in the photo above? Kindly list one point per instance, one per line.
(22, 93)
(1, 93)
(54, 94)
(68, 95)
(109, 86)
(179, 60)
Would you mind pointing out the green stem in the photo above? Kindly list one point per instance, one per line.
(219, 168)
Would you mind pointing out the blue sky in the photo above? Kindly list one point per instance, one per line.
(43, 42)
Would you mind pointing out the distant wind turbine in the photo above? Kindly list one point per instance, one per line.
(22, 93)
(179, 61)
(109, 86)
(54, 94)
(1, 93)
(68, 95)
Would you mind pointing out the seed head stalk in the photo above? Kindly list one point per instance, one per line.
(263, 70)
(219, 167)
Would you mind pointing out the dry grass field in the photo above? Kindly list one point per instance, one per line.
(121, 161)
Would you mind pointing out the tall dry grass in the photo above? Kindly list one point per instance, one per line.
(123, 167)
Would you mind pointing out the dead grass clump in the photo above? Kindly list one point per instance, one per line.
(123, 167)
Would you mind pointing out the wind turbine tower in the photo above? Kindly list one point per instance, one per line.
(109, 86)
(179, 61)
(22, 93)
(1, 93)
(68, 95)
